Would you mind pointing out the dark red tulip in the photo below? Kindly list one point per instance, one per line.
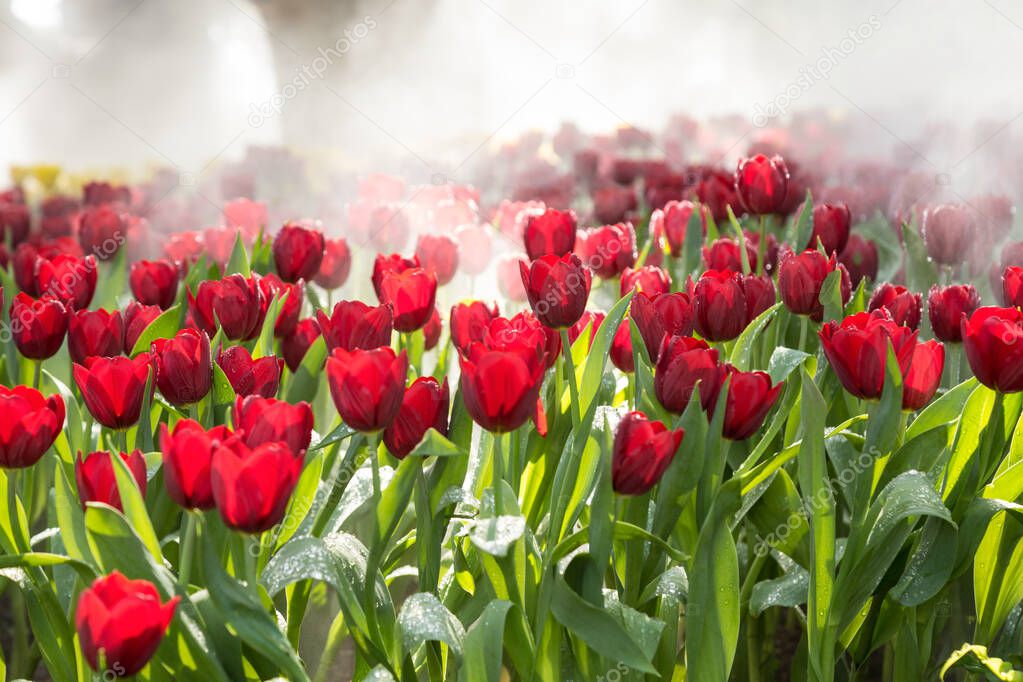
(439, 255)
(68, 279)
(432, 330)
(367, 386)
(101, 230)
(682, 362)
(557, 288)
(1012, 286)
(612, 203)
(621, 347)
(831, 224)
(724, 254)
(298, 252)
(551, 233)
(184, 368)
(136, 318)
(760, 295)
(424, 406)
(902, 304)
(524, 329)
(860, 259)
(353, 324)
(501, 385)
(509, 280)
(154, 282)
(38, 325)
(857, 348)
(252, 485)
(124, 619)
(719, 305)
(94, 332)
(750, 397)
(95, 477)
(336, 264)
(294, 347)
(946, 307)
(717, 192)
(99, 193)
(591, 319)
(662, 315)
(411, 295)
(29, 423)
(993, 341)
(273, 287)
(15, 222)
(260, 377)
(672, 221)
(642, 451)
(801, 277)
(648, 279)
(387, 264)
(924, 375)
(24, 265)
(267, 420)
(761, 184)
(187, 457)
(607, 250)
(949, 231)
(469, 322)
(234, 301)
(114, 388)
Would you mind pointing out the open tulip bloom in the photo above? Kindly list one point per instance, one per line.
(673, 447)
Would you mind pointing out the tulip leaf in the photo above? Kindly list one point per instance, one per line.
(135, 506)
(165, 326)
(596, 361)
(111, 280)
(831, 296)
(423, 618)
(73, 433)
(740, 240)
(306, 380)
(803, 227)
(889, 249)
(223, 392)
(239, 261)
(692, 250)
(742, 352)
(265, 343)
(434, 444)
(499, 628)
(71, 518)
(784, 361)
(920, 269)
(788, 591)
(943, 410)
(975, 659)
(302, 498)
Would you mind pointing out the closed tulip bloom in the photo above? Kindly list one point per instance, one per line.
(902, 304)
(993, 341)
(717, 192)
(336, 264)
(949, 231)
(96, 481)
(136, 318)
(411, 295)
(101, 229)
(252, 485)
(267, 420)
(1012, 286)
(946, 307)
(801, 278)
(524, 329)
(298, 252)
(260, 377)
(857, 349)
(831, 223)
(395, 263)
(367, 386)
(114, 388)
(760, 294)
(501, 386)
(762, 184)
(551, 233)
(154, 282)
(621, 347)
(38, 325)
(860, 258)
(15, 222)
(724, 254)
(681, 363)
(94, 332)
(432, 330)
(648, 279)
(924, 375)
(439, 255)
(424, 406)
(469, 321)
(187, 459)
(125, 620)
(23, 263)
(295, 347)
(750, 397)
(353, 325)
(29, 423)
(659, 316)
(69, 279)
(673, 220)
(234, 301)
(719, 305)
(273, 287)
(184, 368)
(557, 288)
(641, 453)
(590, 318)
(608, 250)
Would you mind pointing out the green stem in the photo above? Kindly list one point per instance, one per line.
(37, 373)
(335, 637)
(187, 535)
(250, 548)
(498, 475)
(954, 361)
(761, 245)
(573, 389)
(804, 323)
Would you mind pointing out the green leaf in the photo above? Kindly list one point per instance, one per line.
(975, 659)
(831, 296)
(742, 352)
(239, 261)
(804, 224)
(596, 361)
(165, 326)
(135, 507)
(920, 269)
(306, 380)
(942, 411)
(692, 251)
(223, 392)
(434, 444)
(499, 627)
(265, 342)
(788, 591)
(423, 618)
(784, 362)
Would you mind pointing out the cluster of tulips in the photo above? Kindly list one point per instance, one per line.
(772, 450)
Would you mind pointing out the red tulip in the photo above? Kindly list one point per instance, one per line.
(607, 250)
(648, 279)
(860, 258)
(717, 192)
(719, 305)
(154, 282)
(682, 362)
(267, 420)
(68, 279)
(924, 375)
(94, 332)
(432, 330)
(509, 281)
(1012, 286)
(411, 295)
(387, 264)
(857, 349)
(294, 347)
(187, 458)
(946, 307)
(590, 319)
(136, 318)
(260, 377)
(524, 329)
(234, 301)
(298, 252)
(501, 384)
(95, 477)
(24, 265)
(672, 221)
(901, 304)
(113, 388)
(724, 254)
(252, 485)
(949, 231)
(662, 315)
(557, 288)
(272, 286)
(38, 326)
(801, 277)
(550, 234)
(621, 347)
(831, 224)
(336, 264)
(750, 397)
(101, 230)
(367, 386)
(761, 184)
(15, 222)
(642, 451)
(353, 325)
(439, 255)
(184, 368)
(993, 341)
(125, 620)
(612, 203)
(424, 405)
(29, 424)
(469, 322)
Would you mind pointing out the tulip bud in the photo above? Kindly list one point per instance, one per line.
(432, 330)
(469, 321)
(70, 280)
(298, 252)
(252, 485)
(136, 318)
(260, 377)
(857, 349)
(353, 325)
(439, 255)
(801, 278)
(724, 254)
(294, 347)
(859, 258)
(682, 362)
(234, 301)
(673, 220)
(509, 281)
(993, 341)
(367, 386)
(648, 279)
(924, 375)
(946, 307)
(187, 458)
(550, 234)
(113, 388)
(717, 192)
(38, 326)
(272, 287)
(411, 295)
(607, 250)
(641, 453)
(762, 184)
(154, 282)
(29, 424)
(557, 288)
(659, 316)
(94, 332)
(948, 232)
(424, 405)
(267, 420)
(184, 368)
(97, 482)
(388, 264)
(831, 223)
(750, 397)
(336, 264)
(621, 347)
(901, 304)
(24, 265)
(501, 383)
(101, 230)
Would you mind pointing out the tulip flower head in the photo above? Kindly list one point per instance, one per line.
(29, 423)
(642, 451)
(367, 386)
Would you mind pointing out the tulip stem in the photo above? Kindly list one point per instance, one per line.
(250, 547)
(37, 373)
(498, 477)
(804, 323)
(573, 389)
(761, 245)
(187, 539)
